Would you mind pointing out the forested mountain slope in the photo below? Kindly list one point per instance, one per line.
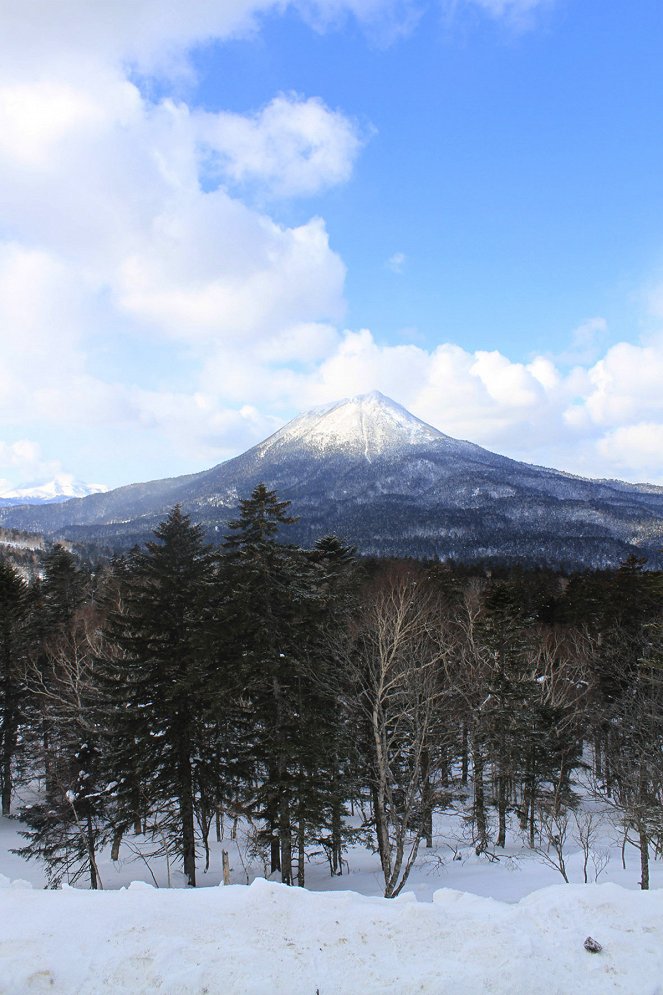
(367, 469)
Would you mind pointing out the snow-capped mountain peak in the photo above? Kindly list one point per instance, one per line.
(367, 424)
(61, 488)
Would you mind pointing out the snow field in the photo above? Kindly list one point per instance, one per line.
(267, 938)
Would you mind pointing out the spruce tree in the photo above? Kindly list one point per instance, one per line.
(279, 596)
(155, 685)
(13, 647)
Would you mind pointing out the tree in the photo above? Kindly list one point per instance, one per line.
(154, 679)
(271, 598)
(14, 614)
(394, 656)
(68, 823)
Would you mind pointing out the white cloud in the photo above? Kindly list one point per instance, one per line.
(517, 12)
(115, 240)
(587, 342)
(114, 244)
(24, 460)
(534, 411)
(634, 450)
(293, 146)
(625, 384)
(396, 262)
(74, 35)
(215, 270)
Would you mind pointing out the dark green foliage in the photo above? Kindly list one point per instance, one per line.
(181, 683)
(63, 588)
(14, 613)
(155, 682)
(279, 600)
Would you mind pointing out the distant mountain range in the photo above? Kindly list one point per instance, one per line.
(369, 471)
(61, 488)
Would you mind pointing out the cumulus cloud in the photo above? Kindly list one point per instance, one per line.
(155, 37)
(293, 146)
(24, 460)
(634, 450)
(146, 305)
(587, 342)
(113, 234)
(536, 411)
(516, 12)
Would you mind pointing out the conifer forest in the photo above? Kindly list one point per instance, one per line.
(323, 699)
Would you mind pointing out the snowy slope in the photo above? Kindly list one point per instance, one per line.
(61, 488)
(268, 938)
(368, 424)
(384, 481)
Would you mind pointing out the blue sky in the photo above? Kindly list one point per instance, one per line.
(213, 216)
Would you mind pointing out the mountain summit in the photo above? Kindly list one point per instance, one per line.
(368, 424)
(61, 488)
(385, 481)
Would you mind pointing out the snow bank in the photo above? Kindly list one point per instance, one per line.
(269, 938)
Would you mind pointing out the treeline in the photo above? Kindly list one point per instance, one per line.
(289, 687)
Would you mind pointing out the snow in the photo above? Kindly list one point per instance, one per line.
(270, 938)
(61, 487)
(466, 924)
(369, 424)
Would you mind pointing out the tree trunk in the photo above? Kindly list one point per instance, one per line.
(205, 825)
(301, 853)
(644, 855)
(9, 739)
(465, 755)
(337, 842)
(501, 810)
(381, 833)
(117, 842)
(94, 881)
(481, 828)
(285, 841)
(426, 800)
(6, 782)
(187, 815)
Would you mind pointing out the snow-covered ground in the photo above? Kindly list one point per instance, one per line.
(465, 924)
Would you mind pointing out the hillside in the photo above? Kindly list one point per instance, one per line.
(368, 470)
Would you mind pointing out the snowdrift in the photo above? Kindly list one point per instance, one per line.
(268, 938)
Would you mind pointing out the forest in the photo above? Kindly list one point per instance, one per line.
(322, 698)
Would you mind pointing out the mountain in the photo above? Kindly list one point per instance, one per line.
(369, 471)
(61, 488)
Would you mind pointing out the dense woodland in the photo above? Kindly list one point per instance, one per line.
(293, 688)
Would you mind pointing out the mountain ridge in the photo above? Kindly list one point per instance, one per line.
(62, 487)
(370, 471)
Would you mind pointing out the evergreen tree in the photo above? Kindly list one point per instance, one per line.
(154, 680)
(279, 596)
(63, 588)
(13, 647)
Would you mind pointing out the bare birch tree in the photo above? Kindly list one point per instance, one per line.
(394, 657)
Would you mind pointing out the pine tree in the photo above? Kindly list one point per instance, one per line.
(63, 588)
(13, 648)
(279, 595)
(154, 678)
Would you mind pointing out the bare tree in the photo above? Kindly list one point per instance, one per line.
(65, 827)
(588, 826)
(467, 667)
(394, 657)
(552, 837)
